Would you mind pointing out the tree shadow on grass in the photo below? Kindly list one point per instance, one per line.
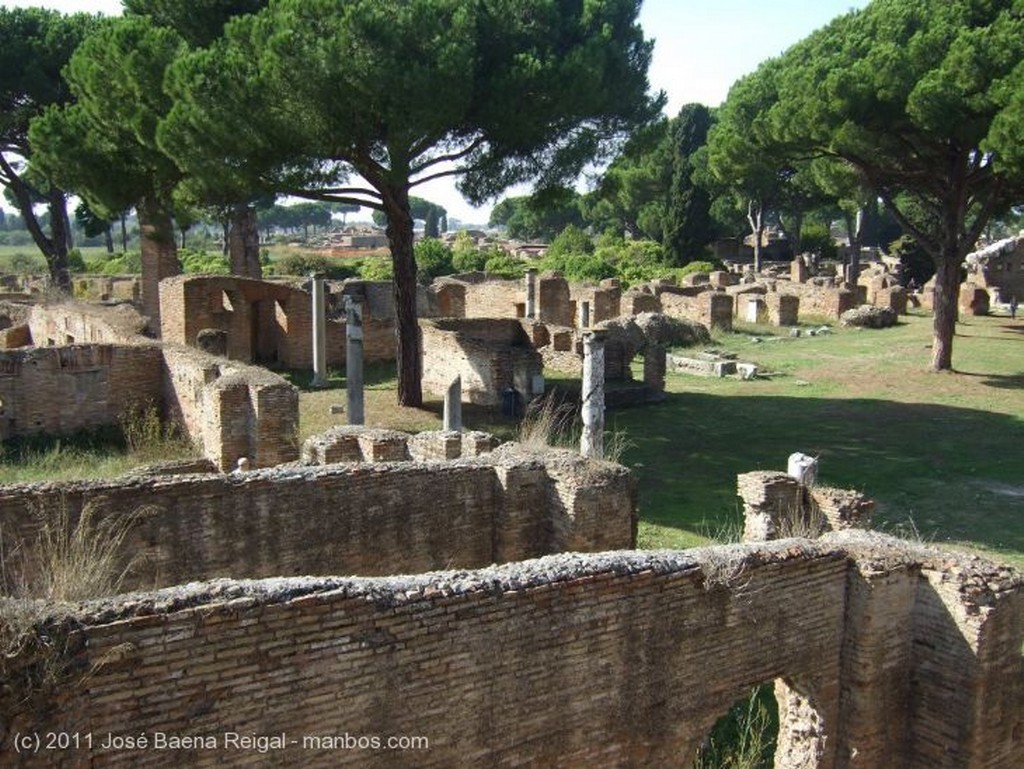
(939, 466)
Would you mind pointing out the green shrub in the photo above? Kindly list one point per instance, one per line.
(816, 239)
(75, 261)
(376, 268)
(122, 264)
(433, 259)
(503, 264)
(304, 264)
(196, 261)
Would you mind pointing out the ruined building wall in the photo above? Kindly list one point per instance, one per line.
(231, 410)
(368, 519)
(58, 390)
(493, 298)
(490, 354)
(614, 659)
(272, 323)
(81, 323)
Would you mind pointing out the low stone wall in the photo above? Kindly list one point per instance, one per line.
(363, 518)
(897, 655)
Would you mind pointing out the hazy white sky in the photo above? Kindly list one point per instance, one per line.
(701, 48)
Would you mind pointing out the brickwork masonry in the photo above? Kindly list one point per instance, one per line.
(904, 656)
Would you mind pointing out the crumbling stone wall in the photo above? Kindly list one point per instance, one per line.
(902, 657)
(59, 390)
(231, 410)
(82, 323)
(358, 518)
(491, 355)
(714, 309)
(776, 505)
(489, 297)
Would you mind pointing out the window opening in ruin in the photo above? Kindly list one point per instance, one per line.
(281, 316)
(3, 407)
(5, 322)
(225, 302)
(745, 736)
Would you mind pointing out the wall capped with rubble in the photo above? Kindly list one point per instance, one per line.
(361, 518)
(900, 656)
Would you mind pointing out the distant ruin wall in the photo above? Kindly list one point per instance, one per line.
(615, 659)
(367, 519)
(59, 390)
(80, 323)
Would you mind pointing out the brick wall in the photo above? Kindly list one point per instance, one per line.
(490, 354)
(82, 323)
(58, 390)
(369, 519)
(613, 659)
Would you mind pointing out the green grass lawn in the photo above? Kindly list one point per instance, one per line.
(943, 454)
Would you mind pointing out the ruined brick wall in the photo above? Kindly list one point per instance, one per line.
(783, 309)
(613, 659)
(81, 323)
(272, 323)
(714, 309)
(490, 354)
(229, 409)
(58, 390)
(822, 301)
(605, 300)
(368, 519)
(488, 297)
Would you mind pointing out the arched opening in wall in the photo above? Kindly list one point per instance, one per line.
(5, 322)
(746, 736)
(225, 302)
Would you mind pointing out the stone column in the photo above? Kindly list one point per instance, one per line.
(453, 406)
(531, 294)
(584, 314)
(592, 439)
(354, 359)
(319, 331)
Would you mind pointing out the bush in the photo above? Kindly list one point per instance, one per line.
(122, 264)
(75, 261)
(433, 259)
(816, 239)
(503, 264)
(304, 264)
(698, 267)
(195, 261)
(915, 263)
(23, 263)
(376, 268)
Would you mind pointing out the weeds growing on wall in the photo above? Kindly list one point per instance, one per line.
(69, 558)
(745, 737)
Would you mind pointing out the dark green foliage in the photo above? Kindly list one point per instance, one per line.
(129, 263)
(540, 216)
(376, 268)
(433, 258)
(306, 264)
(816, 239)
(196, 261)
(199, 22)
(915, 264)
(502, 264)
(75, 261)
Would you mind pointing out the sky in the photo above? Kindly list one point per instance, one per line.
(701, 48)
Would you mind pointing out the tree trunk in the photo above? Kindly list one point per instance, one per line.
(59, 239)
(54, 250)
(124, 232)
(400, 238)
(108, 238)
(159, 256)
(944, 314)
(244, 242)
